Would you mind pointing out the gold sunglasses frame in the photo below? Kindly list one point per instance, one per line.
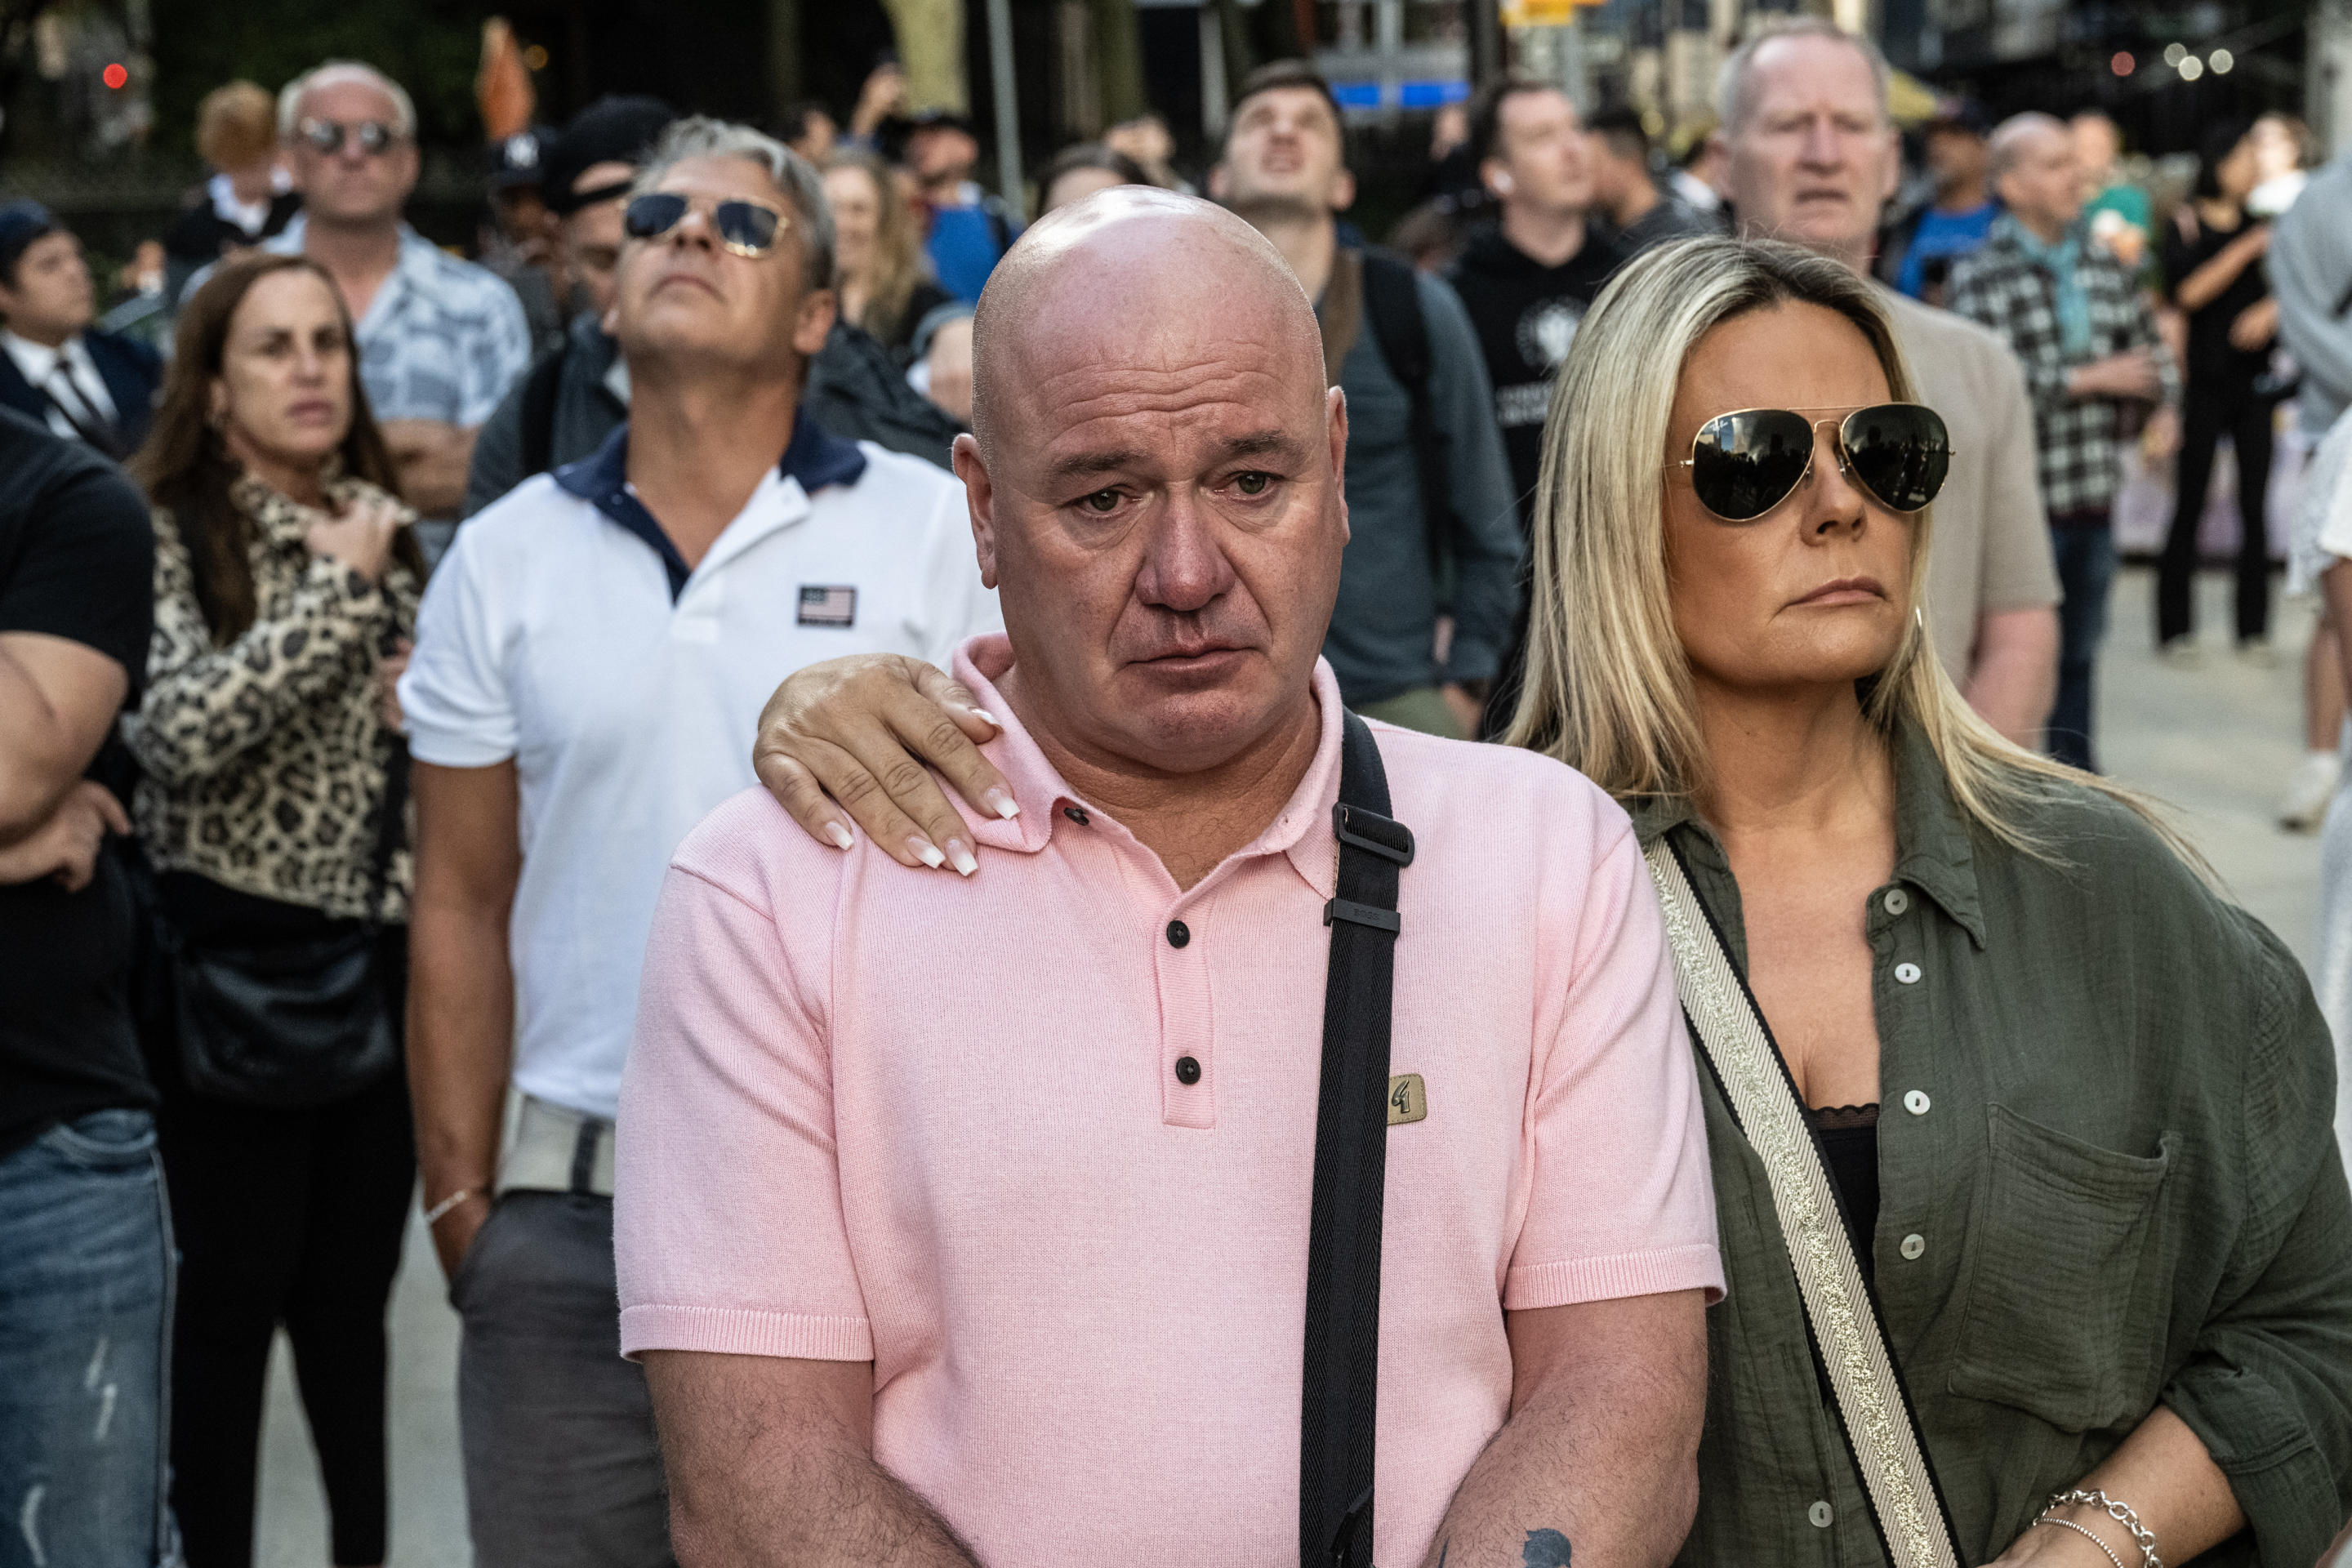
(1812, 455)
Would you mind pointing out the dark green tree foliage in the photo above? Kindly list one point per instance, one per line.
(429, 46)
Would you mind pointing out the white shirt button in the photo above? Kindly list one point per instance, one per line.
(1907, 974)
(1915, 1102)
(1913, 1246)
(1820, 1514)
(1897, 900)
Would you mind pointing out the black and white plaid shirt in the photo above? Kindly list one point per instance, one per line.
(2077, 438)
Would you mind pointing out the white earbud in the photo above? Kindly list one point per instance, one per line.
(1503, 182)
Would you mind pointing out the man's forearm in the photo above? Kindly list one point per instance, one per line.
(771, 1466)
(2016, 672)
(460, 1042)
(1600, 1459)
(37, 763)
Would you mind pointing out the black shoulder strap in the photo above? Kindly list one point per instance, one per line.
(1393, 301)
(539, 411)
(1343, 1247)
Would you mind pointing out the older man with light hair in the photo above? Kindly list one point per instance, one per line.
(984, 1221)
(1812, 158)
(2081, 328)
(440, 339)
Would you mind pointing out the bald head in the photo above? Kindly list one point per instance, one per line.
(1154, 476)
(1123, 264)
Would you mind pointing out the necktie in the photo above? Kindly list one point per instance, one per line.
(69, 399)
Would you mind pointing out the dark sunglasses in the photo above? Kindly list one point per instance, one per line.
(374, 136)
(745, 227)
(1744, 463)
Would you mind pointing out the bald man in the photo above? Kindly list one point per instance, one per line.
(967, 1221)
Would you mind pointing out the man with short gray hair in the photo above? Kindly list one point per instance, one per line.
(589, 658)
(1812, 158)
(2083, 333)
(440, 339)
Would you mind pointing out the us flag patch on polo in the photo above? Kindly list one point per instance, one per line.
(825, 606)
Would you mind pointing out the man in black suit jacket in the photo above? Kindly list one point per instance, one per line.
(57, 368)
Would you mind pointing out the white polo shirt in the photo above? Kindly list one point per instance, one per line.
(563, 631)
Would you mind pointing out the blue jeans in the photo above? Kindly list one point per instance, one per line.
(85, 1325)
(2086, 569)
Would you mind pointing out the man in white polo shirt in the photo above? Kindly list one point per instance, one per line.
(591, 659)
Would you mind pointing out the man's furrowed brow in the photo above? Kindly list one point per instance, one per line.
(1086, 464)
(1264, 443)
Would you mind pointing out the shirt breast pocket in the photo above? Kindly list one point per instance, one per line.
(2064, 1315)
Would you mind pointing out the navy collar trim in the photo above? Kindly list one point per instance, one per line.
(815, 457)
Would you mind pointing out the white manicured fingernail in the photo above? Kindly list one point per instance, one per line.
(961, 853)
(927, 852)
(838, 834)
(982, 713)
(1003, 805)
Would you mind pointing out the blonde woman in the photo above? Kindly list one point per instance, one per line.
(2099, 1237)
(878, 254)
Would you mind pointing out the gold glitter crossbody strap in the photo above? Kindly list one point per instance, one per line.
(1849, 1336)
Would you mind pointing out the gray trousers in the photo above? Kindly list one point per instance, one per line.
(561, 1466)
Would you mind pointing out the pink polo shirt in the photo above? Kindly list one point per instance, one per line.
(876, 1113)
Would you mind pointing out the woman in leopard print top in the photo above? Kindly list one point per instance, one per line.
(286, 581)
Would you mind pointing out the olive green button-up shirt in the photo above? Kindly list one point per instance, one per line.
(2109, 1179)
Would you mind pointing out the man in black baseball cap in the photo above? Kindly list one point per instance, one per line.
(1924, 246)
(575, 394)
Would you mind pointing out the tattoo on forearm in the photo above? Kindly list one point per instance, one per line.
(1545, 1549)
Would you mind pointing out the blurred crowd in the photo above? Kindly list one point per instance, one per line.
(382, 712)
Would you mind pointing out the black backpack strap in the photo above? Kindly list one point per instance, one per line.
(1392, 302)
(1343, 1248)
(538, 390)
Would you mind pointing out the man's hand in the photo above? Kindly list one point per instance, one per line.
(949, 360)
(67, 846)
(431, 458)
(2130, 375)
(453, 1232)
(846, 741)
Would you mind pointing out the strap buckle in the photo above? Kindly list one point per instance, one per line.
(1369, 830)
(1363, 915)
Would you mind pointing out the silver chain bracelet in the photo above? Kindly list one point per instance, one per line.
(2121, 1514)
(2105, 1550)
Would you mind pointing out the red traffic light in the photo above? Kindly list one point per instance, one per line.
(114, 76)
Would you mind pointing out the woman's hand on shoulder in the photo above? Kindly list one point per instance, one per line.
(847, 740)
(359, 533)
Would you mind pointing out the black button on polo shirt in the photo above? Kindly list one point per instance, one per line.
(1188, 1071)
(1179, 934)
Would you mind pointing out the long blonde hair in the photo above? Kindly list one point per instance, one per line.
(1607, 688)
(897, 259)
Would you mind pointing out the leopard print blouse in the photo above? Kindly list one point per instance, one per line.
(264, 758)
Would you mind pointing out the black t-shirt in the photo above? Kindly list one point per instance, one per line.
(78, 561)
(1526, 314)
(2211, 357)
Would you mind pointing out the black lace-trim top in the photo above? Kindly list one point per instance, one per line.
(1849, 1135)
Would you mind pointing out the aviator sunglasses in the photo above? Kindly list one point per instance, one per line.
(746, 227)
(372, 137)
(1744, 463)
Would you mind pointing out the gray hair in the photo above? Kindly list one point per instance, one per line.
(2009, 139)
(289, 97)
(700, 136)
(1734, 101)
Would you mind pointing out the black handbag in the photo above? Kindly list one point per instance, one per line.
(1353, 1111)
(291, 1023)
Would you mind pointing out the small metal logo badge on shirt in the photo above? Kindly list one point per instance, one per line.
(828, 607)
(1408, 1098)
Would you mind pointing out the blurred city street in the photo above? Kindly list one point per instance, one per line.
(2216, 743)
